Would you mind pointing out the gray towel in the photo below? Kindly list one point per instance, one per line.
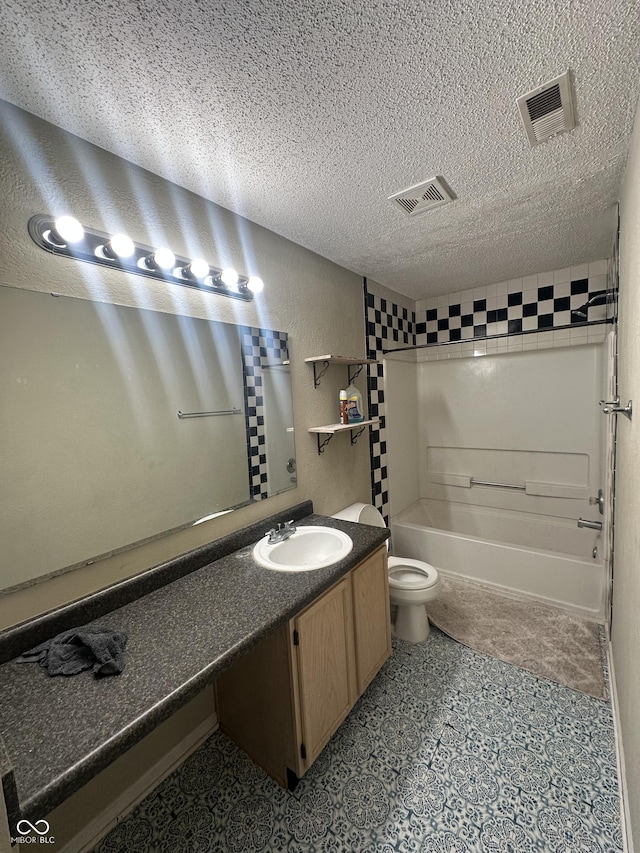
(81, 648)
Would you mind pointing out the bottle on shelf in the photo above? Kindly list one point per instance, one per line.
(354, 405)
(344, 417)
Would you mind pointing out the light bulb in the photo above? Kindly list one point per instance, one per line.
(229, 277)
(163, 259)
(119, 246)
(197, 268)
(68, 229)
(255, 284)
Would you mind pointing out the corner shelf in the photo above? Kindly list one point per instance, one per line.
(331, 429)
(326, 360)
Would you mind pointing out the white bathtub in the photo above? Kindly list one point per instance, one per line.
(502, 548)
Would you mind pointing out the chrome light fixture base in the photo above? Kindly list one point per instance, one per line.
(91, 250)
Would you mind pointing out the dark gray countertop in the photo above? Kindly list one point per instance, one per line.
(59, 732)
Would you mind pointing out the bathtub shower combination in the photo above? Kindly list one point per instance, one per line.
(502, 547)
(497, 470)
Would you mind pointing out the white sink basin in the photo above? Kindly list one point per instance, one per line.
(307, 549)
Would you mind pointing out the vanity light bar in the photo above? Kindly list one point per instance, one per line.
(66, 236)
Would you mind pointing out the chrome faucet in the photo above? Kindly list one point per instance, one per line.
(282, 532)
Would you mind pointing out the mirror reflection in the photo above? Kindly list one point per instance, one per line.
(120, 424)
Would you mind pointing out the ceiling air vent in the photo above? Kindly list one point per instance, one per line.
(548, 110)
(424, 196)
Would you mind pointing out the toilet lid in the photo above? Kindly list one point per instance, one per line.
(411, 574)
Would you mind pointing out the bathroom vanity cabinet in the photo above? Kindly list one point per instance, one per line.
(210, 613)
(283, 700)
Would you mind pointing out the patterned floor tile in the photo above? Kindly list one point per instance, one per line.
(448, 751)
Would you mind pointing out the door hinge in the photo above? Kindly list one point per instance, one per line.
(296, 641)
(303, 750)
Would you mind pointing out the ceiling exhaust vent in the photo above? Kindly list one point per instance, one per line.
(424, 196)
(548, 110)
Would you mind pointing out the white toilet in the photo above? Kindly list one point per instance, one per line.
(412, 583)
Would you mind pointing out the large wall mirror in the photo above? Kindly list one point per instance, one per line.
(120, 424)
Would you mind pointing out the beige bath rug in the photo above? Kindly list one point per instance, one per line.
(537, 637)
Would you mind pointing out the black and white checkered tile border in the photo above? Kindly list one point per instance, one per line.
(259, 346)
(541, 309)
(388, 326)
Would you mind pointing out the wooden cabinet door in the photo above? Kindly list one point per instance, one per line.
(323, 643)
(371, 614)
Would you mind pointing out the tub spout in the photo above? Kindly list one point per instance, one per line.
(592, 525)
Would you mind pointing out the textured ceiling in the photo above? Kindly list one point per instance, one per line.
(305, 116)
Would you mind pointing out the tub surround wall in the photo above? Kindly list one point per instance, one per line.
(530, 418)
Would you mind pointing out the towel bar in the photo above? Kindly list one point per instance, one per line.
(475, 482)
(209, 414)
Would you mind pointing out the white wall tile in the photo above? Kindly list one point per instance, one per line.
(562, 275)
(581, 271)
(578, 333)
(545, 278)
(561, 335)
(597, 268)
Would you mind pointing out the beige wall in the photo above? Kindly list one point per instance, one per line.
(626, 584)
(46, 170)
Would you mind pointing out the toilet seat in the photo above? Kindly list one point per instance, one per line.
(411, 574)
